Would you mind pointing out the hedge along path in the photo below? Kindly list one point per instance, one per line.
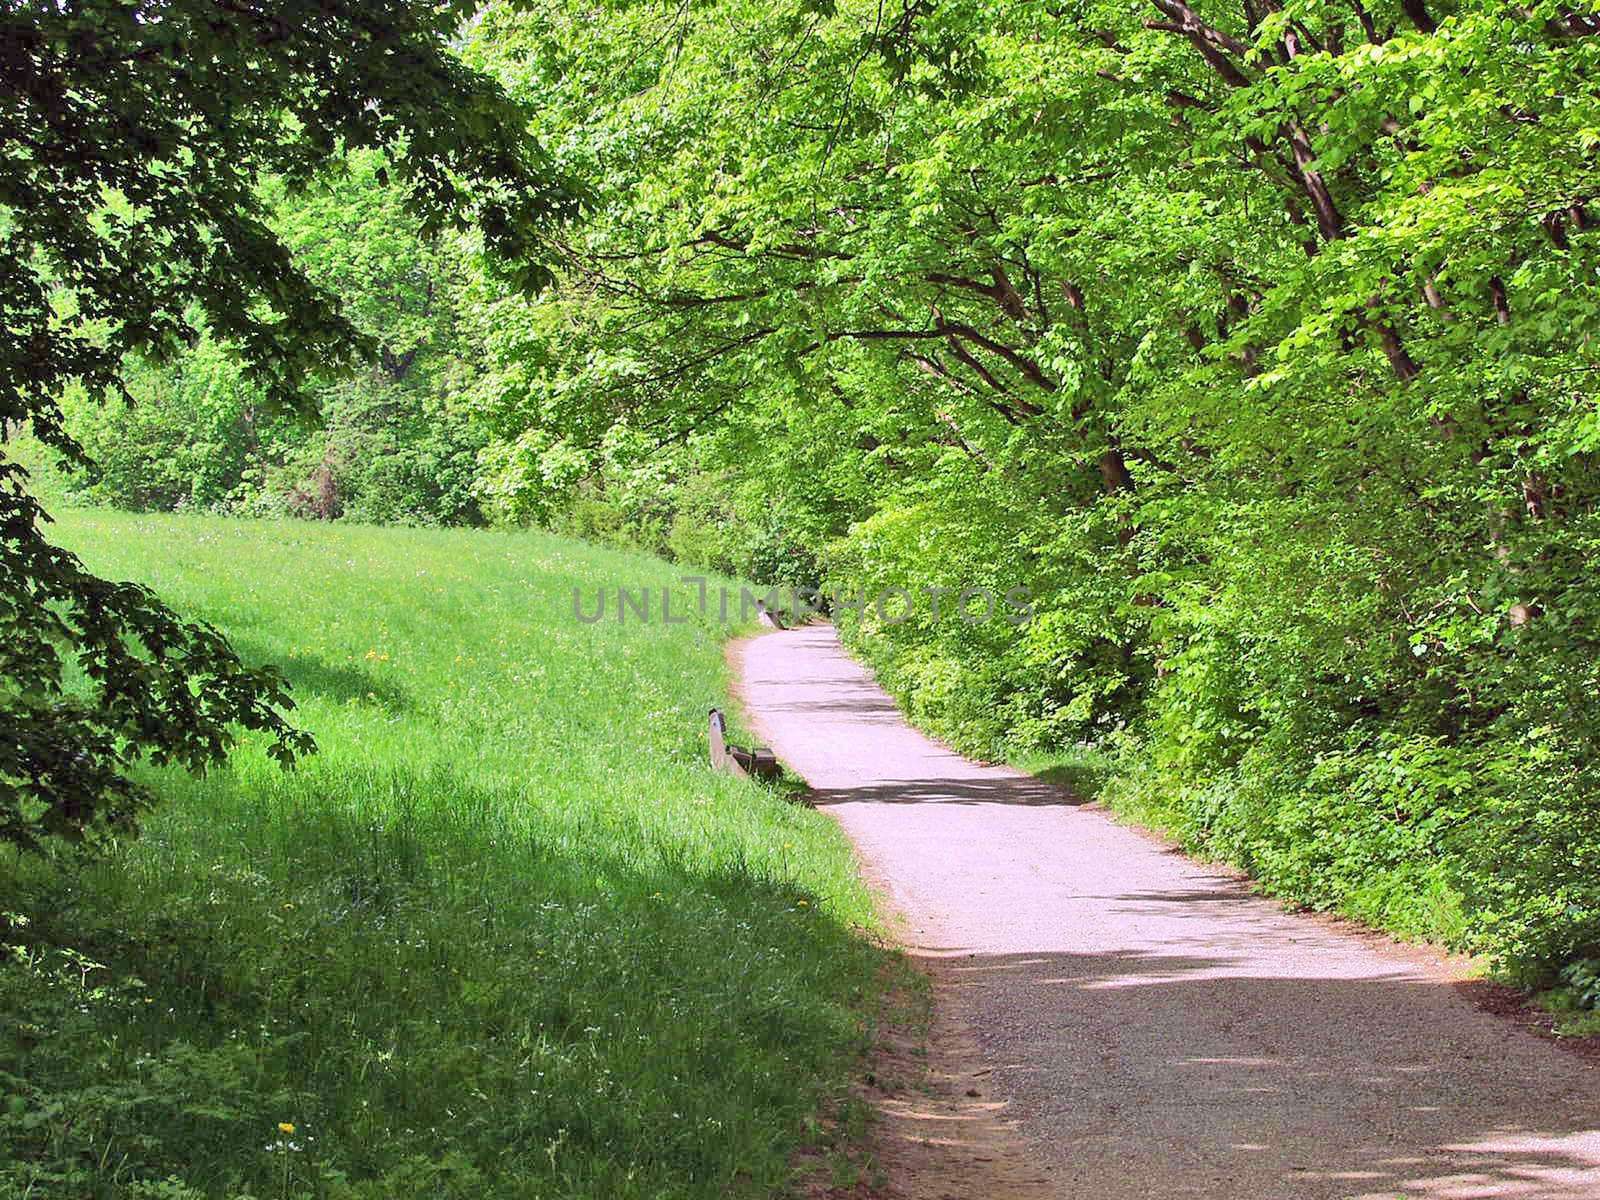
(1154, 1029)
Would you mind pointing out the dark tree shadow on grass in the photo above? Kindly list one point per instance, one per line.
(311, 675)
(1082, 779)
(386, 959)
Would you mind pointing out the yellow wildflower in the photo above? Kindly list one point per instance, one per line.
(285, 1127)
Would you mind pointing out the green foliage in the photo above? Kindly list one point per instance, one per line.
(1254, 345)
(1583, 977)
(190, 436)
(507, 935)
(134, 225)
(1254, 342)
(149, 687)
(394, 442)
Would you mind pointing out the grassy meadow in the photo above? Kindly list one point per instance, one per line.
(505, 935)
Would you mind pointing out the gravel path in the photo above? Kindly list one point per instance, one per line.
(1159, 1031)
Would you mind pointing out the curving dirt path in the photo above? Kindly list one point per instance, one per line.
(1156, 1030)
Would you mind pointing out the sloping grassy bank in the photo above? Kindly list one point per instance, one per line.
(505, 935)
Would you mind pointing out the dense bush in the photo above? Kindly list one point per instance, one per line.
(394, 442)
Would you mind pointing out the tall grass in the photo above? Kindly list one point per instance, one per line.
(505, 935)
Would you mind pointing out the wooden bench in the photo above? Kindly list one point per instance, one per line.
(766, 617)
(759, 761)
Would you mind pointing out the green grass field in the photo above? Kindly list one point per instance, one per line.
(505, 935)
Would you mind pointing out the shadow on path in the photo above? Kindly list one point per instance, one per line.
(1183, 1076)
(948, 791)
(1157, 1029)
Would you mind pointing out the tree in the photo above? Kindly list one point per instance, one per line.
(137, 135)
(1257, 337)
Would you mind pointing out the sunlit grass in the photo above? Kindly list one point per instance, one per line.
(505, 935)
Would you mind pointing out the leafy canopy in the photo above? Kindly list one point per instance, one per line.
(138, 137)
(1256, 337)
